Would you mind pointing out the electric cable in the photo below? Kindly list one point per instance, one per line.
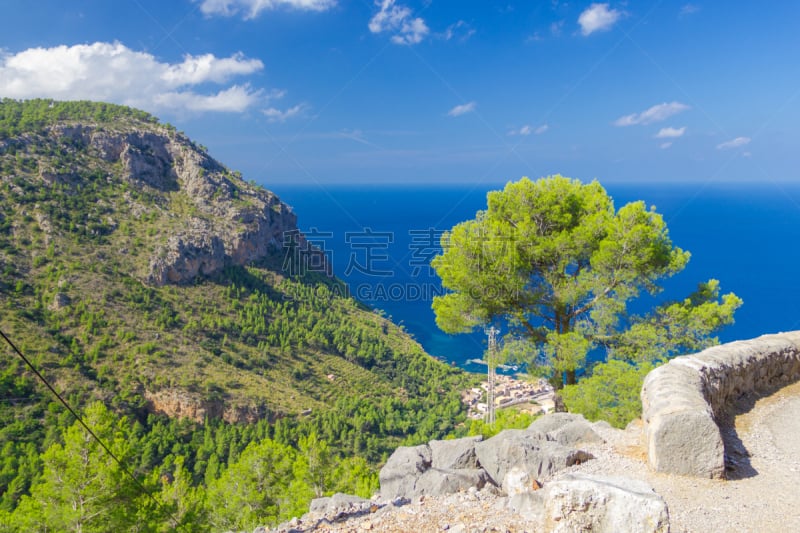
(87, 428)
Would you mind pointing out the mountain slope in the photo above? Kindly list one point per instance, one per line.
(139, 271)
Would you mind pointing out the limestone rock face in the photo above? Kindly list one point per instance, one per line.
(398, 477)
(186, 256)
(438, 468)
(177, 403)
(526, 451)
(145, 157)
(339, 503)
(614, 505)
(437, 481)
(514, 460)
(567, 429)
(454, 454)
(232, 222)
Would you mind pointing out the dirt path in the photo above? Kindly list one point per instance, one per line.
(762, 493)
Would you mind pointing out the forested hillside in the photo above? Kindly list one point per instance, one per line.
(151, 286)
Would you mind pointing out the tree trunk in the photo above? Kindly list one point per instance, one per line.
(570, 374)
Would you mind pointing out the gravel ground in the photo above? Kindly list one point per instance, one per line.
(761, 493)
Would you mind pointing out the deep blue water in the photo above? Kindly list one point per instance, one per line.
(745, 235)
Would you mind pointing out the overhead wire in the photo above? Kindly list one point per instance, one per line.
(89, 430)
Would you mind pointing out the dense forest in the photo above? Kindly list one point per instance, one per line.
(304, 390)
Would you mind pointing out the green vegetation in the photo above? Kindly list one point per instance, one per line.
(559, 264)
(611, 393)
(21, 116)
(81, 488)
(304, 374)
(509, 418)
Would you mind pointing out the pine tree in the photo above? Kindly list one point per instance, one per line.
(82, 488)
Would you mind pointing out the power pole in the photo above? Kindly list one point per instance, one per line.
(491, 332)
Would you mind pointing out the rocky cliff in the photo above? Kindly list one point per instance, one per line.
(178, 403)
(231, 222)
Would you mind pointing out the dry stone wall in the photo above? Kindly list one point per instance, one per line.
(683, 400)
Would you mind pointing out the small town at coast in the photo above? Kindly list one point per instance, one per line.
(530, 395)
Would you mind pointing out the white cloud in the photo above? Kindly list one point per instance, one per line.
(252, 8)
(527, 130)
(689, 9)
(205, 68)
(235, 99)
(399, 20)
(460, 30)
(462, 109)
(656, 113)
(598, 17)
(670, 133)
(734, 143)
(113, 72)
(276, 115)
(665, 145)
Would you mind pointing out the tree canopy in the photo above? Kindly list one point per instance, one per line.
(18, 116)
(611, 393)
(559, 264)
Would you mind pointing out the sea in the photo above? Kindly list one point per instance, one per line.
(380, 240)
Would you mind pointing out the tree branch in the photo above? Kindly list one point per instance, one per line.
(594, 300)
(534, 332)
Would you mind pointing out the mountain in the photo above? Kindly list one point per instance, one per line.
(139, 272)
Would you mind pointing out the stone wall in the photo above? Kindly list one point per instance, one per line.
(683, 400)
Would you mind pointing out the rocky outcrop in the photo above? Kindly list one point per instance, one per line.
(231, 223)
(456, 480)
(454, 454)
(525, 451)
(444, 467)
(188, 255)
(683, 400)
(340, 503)
(60, 301)
(417, 470)
(405, 466)
(568, 429)
(177, 403)
(146, 158)
(582, 502)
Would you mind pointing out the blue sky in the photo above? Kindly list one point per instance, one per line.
(329, 91)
